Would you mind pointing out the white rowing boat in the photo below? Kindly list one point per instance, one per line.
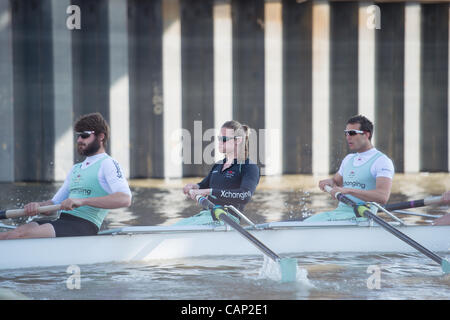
(160, 242)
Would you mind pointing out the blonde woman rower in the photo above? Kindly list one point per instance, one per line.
(231, 181)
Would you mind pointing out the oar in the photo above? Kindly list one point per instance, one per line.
(288, 266)
(413, 203)
(15, 213)
(432, 216)
(364, 211)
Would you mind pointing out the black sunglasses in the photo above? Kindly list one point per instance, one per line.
(225, 138)
(353, 132)
(84, 134)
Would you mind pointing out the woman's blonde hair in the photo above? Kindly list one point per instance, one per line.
(240, 130)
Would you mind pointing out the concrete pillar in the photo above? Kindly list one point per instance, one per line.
(6, 95)
(119, 106)
(146, 89)
(90, 61)
(248, 70)
(412, 87)
(434, 87)
(223, 67)
(343, 75)
(197, 70)
(389, 96)
(62, 75)
(297, 86)
(173, 133)
(34, 134)
(321, 88)
(273, 55)
(366, 59)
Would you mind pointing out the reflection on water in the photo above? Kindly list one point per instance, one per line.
(334, 276)
(161, 202)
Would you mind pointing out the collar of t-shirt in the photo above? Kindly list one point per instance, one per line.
(91, 160)
(363, 157)
(235, 161)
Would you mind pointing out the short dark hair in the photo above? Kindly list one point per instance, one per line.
(365, 124)
(93, 122)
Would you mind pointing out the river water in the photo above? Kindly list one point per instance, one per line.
(343, 276)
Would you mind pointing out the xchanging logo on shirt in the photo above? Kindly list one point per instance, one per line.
(354, 184)
(81, 191)
(234, 195)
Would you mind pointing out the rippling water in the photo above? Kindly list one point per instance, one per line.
(320, 276)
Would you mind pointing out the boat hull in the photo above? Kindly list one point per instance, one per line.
(151, 243)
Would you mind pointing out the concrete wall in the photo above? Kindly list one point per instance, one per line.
(167, 73)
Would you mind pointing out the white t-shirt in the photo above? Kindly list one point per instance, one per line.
(110, 177)
(382, 167)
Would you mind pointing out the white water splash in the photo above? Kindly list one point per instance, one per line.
(271, 270)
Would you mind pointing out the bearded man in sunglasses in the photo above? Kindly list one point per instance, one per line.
(90, 189)
(365, 175)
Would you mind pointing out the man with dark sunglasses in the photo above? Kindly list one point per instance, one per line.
(365, 175)
(91, 188)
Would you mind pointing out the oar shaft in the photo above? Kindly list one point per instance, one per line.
(205, 203)
(341, 197)
(413, 203)
(403, 236)
(15, 213)
(258, 244)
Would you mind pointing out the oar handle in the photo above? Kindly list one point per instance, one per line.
(328, 189)
(432, 200)
(204, 202)
(15, 213)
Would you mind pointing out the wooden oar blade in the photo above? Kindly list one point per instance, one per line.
(288, 267)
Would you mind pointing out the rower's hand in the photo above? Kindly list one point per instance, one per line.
(339, 190)
(326, 182)
(189, 187)
(193, 193)
(445, 198)
(31, 209)
(336, 190)
(70, 204)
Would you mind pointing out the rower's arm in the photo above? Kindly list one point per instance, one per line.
(111, 201)
(338, 180)
(379, 195)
